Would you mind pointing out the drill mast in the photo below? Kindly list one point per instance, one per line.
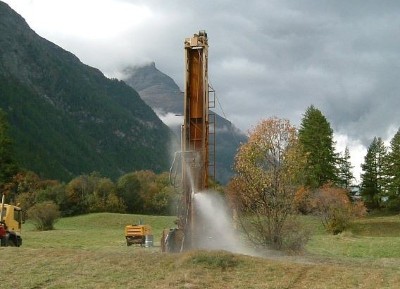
(195, 132)
(197, 159)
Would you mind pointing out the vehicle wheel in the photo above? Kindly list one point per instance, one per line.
(12, 240)
(6, 240)
(19, 241)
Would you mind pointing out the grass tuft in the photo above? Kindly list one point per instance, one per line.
(213, 260)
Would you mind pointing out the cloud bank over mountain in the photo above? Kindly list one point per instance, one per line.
(267, 58)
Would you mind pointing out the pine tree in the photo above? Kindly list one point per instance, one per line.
(393, 172)
(346, 177)
(316, 137)
(8, 166)
(373, 177)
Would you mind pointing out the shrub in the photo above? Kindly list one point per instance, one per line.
(44, 215)
(335, 209)
(303, 200)
(359, 209)
(294, 235)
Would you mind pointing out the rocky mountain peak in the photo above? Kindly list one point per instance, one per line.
(155, 87)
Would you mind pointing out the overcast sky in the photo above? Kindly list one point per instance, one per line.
(266, 57)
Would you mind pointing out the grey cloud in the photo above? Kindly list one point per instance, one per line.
(275, 58)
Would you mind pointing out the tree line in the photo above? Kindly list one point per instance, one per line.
(140, 192)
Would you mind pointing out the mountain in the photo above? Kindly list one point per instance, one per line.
(156, 88)
(161, 92)
(66, 118)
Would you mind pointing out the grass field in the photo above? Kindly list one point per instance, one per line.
(90, 252)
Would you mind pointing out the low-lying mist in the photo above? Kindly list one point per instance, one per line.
(215, 225)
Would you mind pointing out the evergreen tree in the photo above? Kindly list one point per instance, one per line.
(393, 172)
(8, 166)
(346, 177)
(316, 137)
(373, 177)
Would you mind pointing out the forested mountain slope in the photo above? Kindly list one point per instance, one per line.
(67, 118)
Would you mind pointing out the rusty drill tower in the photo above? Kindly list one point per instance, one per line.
(195, 130)
(197, 141)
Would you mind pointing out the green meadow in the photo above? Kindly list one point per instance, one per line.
(89, 251)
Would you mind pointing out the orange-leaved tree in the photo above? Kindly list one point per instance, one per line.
(268, 170)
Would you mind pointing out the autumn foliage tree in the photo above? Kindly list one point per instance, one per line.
(23, 188)
(135, 192)
(268, 169)
(91, 193)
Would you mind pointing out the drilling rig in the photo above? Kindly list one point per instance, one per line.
(10, 224)
(197, 155)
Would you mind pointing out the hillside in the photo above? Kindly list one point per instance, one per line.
(161, 92)
(67, 118)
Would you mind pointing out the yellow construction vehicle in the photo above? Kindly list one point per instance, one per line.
(139, 234)
(10, 224)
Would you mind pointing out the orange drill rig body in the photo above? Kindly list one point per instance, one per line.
(195, 144)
